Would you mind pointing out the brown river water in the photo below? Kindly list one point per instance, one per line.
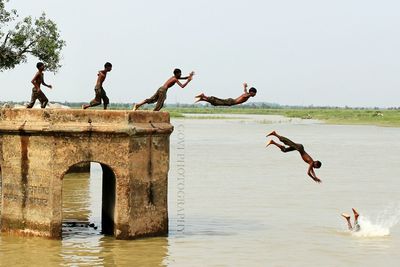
(234, 202)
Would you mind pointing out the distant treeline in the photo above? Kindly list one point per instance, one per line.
(254, 105)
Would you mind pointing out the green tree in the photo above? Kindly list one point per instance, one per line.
(38, 37)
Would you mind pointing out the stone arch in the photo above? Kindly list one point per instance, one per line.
(132, 147)
(108, 195)
(69, 165)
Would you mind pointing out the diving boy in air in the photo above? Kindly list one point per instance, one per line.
(100, 94)
(291, 146)
(37, 93)
(215, 101)
(161, 94)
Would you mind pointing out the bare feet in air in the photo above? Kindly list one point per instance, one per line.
(355, 213)
(271, 142)
(199, 95)
(271, 133)
(346, 216)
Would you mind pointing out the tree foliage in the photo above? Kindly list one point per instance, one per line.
(38, 37)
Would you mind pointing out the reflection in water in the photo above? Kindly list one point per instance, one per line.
(81, 250)
(86, 245)
(29, 251)
(99, 250)
(76, 197)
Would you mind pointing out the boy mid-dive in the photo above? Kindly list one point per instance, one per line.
(215, 101)
(161, 94)
(292, 146)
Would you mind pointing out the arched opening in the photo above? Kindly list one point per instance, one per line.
(88, 199)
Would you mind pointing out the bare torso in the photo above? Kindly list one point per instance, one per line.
(101, 76)
(243, 98)
(170, 82)
(307, 158)
(38, 79)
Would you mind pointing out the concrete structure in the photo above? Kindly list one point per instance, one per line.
(39, 146)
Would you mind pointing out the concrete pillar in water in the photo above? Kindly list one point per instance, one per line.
(39, 146)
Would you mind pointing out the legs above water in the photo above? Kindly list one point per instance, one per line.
(291, 146)
(356, 226)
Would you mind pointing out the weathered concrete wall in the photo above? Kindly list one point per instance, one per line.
(1, 196)
(1, 179)
(39, 146)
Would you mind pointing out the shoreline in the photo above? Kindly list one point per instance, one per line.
(336, 116)
(374, 117)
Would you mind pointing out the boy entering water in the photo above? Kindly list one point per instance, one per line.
(299, 147)
(215, 101)
(356, 226)
(161, 94)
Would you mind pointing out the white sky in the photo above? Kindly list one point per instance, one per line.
(341, 52)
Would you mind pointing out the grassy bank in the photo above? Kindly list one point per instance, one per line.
(379, 117)
(328, 115)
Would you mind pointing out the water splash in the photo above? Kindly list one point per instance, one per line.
(381, 226)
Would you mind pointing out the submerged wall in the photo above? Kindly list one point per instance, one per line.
(39, 146)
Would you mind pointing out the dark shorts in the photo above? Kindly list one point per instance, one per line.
(215, 101)
(292, 145)
(38, 96)
(160, 96)
(100, 94)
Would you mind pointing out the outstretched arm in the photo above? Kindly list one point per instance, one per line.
(184, 84)
(311, 173)
(187, 81)
(187, 77)
(245, 87)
